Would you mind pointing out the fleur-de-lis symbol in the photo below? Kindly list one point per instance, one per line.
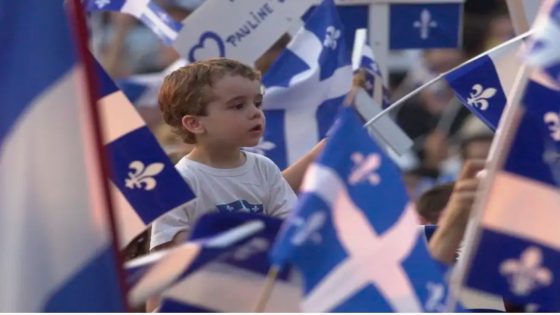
(435, 299)
(308, 230)
(552, 120)
(526, 274)
(331, 36)
(101, 3)
(479, 96)
(254, 246)
(425, 23)
(365, 168)
(143, 175)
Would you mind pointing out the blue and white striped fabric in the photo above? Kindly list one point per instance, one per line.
(145, 182)
(305, 87)
(57, 252)
(545, 49)
(518, 255)
(482, 84)
(354, 236)
(147, 11)
(372, 75)
(142, 89)
(425, 25)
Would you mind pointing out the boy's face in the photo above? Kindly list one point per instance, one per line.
(234, 116)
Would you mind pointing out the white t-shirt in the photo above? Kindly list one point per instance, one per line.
(257, 186)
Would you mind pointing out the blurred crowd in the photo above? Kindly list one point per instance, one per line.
(445, 134)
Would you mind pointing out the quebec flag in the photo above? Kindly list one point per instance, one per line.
(425, 25)
(518, 252)
(373, 79)
(147, 11)
(354, 235)
(144, 181)
(545, 48)
(57, 249)
(483, 83)
(305, 87)
(230, 278)
(165, 268)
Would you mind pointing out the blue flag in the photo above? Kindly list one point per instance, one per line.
(154, 273)
(425, 25)
(149, 12)
(374, 85)
(483, 83)
(517, 255)
(354, 236)
(545, 49)
(54, 233)
(141, 171)
(305, 87)
(232, 279)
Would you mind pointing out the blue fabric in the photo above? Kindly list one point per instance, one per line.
(84, 292)
(24, 75)
(443, 24)
(312, 240)
(480, 71)
(170, 190)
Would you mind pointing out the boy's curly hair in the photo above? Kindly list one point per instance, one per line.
(188, 90)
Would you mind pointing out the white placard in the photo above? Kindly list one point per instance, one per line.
(237, 29)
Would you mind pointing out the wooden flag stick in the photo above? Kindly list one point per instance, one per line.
(267, 289)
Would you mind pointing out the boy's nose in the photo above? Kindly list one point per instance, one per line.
(256, 112)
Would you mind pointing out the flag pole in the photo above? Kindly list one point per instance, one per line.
(432, 81)
(271, 277)
(78, 21)
(506, 131)
(498, 152)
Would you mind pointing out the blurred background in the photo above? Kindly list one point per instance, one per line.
(443, 131)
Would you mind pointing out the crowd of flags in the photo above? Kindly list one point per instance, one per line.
(346, 246)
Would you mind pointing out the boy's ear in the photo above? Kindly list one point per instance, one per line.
(192, 124)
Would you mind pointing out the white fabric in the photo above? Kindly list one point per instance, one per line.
(258, 181)
(50, 224)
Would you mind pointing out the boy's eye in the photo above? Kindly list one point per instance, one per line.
(238, 106)
(258, 103)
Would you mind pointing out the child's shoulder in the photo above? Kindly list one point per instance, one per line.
(261, 160)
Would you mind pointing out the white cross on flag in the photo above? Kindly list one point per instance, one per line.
(354, 236)
(305, 87)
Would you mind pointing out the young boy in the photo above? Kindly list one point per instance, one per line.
(216, 106)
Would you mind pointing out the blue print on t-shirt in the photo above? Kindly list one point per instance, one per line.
(241, 206)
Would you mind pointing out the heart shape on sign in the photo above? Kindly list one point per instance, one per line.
(209, 45)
